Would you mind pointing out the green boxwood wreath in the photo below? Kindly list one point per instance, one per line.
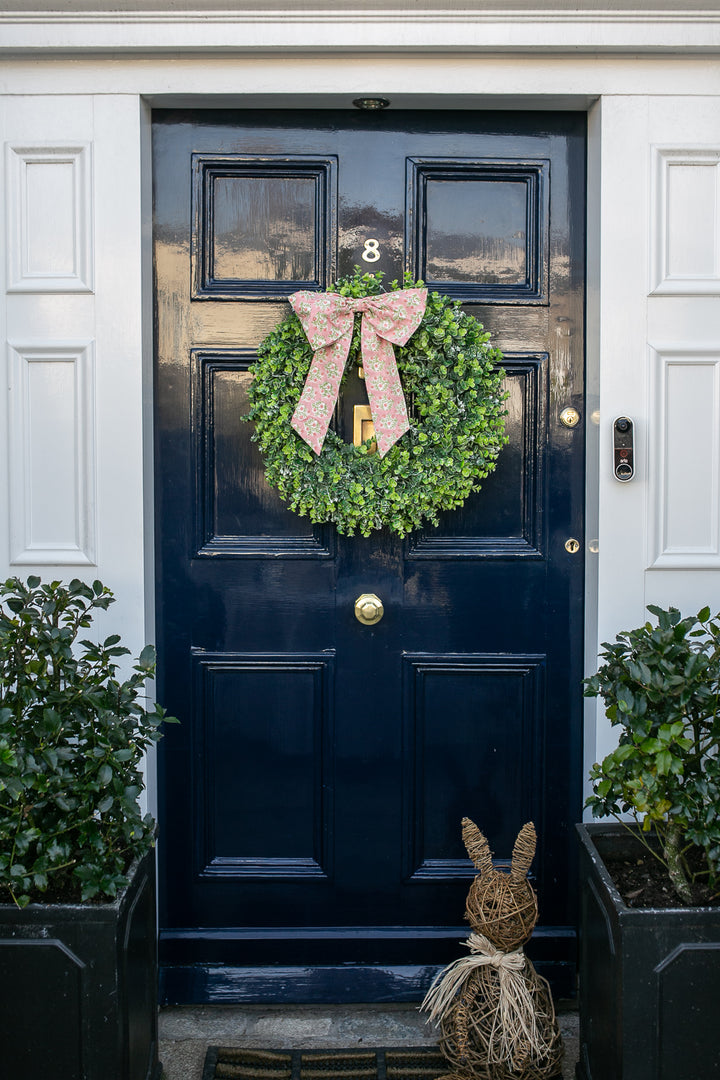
(451, 377)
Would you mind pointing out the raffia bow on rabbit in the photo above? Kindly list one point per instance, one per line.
(496, 1015)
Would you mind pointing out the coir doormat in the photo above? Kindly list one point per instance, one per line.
(391, 1063)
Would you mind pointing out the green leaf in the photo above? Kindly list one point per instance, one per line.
(13, 785)
(105, 774)
(664, 762)
(146, 659)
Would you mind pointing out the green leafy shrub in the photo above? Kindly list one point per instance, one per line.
(661, 685)
(72, 738)
(452, 379)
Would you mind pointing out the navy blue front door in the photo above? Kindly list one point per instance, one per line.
(311, 800)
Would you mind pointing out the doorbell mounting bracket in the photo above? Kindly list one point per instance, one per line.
(623, 449)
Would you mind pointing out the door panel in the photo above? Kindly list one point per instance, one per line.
(237, 513)
(262, 227)
(504, 519)
(478, 229)
(311, 799)
(264, 716)
(454, 702)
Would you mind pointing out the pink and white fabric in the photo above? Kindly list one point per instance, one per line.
(327, 319)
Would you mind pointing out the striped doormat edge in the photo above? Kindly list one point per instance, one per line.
(366, 1063)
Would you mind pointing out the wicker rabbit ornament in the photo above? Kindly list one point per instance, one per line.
(496, 1016)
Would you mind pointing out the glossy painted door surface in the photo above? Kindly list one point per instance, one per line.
(311, 799)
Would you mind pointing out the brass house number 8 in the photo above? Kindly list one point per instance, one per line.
(370, 251)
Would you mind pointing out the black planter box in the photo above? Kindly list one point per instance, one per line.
(78, 987)
(649, 979)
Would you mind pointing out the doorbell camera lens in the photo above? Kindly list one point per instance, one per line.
(622, 423)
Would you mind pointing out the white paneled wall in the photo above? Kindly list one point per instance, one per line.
(72, 407)
(74, 498)
(654, 342)
(683, 357)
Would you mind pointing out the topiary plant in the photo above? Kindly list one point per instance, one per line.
(661, 686)
(72, 739)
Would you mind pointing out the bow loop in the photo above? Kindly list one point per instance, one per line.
(325, 317)
(391, 320)
(328, 319)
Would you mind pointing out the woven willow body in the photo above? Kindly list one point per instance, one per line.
(496, 1016)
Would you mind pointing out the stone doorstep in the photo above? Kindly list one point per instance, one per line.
(187, 1031)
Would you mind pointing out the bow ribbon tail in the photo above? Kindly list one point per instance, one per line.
(384, 389)
(314, 410)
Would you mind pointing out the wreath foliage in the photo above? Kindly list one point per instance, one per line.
(452, 382)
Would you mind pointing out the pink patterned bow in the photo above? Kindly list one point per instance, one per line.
(327, 319)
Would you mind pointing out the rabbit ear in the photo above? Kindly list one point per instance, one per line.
(523, 852)
(477, 846)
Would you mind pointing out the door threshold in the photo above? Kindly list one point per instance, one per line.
(217, 984)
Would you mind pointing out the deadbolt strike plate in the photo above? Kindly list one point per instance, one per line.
(570, 418)
(363, 427)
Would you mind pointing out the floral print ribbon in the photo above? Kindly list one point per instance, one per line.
(327, 319)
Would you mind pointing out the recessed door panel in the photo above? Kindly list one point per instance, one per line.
(478, 229)
(266, 730)
(504, 519)
(237, 513)
(263, 227)
(494, 705)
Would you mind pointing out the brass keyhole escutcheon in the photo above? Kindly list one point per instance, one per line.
(572, 545)
(570, 418)
(369, 609)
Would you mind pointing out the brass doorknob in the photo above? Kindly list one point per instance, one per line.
(369, 609)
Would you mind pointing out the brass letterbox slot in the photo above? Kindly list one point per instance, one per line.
(363, 427)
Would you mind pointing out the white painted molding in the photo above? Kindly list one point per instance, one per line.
(51, 453)
(376, 26)
(49, 218)
(685, 221)
(684, 449)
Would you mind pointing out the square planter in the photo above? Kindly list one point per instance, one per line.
(79, 987)
(649, 979)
